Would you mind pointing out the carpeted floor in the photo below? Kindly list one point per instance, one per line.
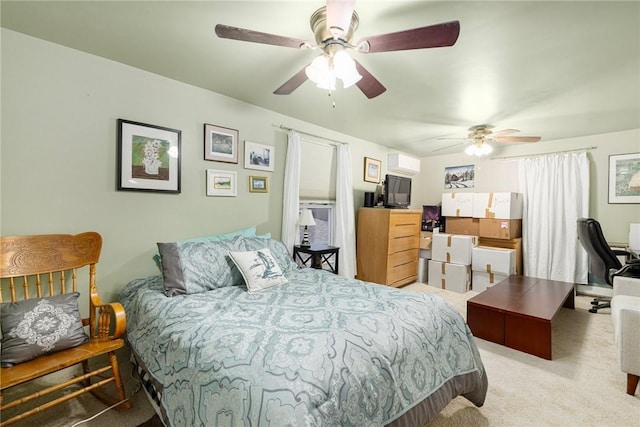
(581, 386)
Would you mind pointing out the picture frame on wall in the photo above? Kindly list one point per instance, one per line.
(259, 156)
(148, 157)
(624, 178)
(221, 183)
(258, 184)
(220, 144)
(459, 177)
(372, 170)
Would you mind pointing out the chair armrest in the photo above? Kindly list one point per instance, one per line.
(623, 285)
(110, 321)
(625, 314)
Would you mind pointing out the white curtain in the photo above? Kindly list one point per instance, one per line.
(291, 199)
(556, 193)
(345, 229)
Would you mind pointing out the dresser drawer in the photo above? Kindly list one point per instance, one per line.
(402, 257)
(405, 219)
(399, 244)
(404, 230)
(402, 274)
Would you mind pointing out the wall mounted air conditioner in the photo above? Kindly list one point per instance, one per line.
(403, 164)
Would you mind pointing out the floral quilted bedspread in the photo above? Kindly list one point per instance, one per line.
(321, 350)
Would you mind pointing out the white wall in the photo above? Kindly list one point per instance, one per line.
(494, 174)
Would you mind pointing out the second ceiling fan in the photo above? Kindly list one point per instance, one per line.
(333, 26)
(479, 135)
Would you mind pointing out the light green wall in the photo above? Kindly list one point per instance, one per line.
(58, 154)
(495, 174)
(58, 158)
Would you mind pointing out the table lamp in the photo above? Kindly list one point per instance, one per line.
(306, 219)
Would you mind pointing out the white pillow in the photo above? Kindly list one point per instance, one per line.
(259, 269)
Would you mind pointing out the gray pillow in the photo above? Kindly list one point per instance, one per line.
(198, 266)
(39, 326)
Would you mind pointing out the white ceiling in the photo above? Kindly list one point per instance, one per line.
(551, 69)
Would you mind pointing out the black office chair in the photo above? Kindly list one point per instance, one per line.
(603, 261)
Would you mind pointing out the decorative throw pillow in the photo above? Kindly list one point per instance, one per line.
(245, 232)
(194, 267)
(278, 251)
(259, 269)
(38, 326)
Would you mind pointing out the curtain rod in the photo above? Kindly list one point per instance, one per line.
(311, 134)
(544, 154)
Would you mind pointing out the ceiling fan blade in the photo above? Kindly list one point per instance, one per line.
(235, 33)
(368, 84)
(504, 132)
(292, 84)
(517, 139)
(339, 13)
(439, 35)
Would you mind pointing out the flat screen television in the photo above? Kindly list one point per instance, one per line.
(397, 192)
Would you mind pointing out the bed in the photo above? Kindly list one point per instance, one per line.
(313, 349)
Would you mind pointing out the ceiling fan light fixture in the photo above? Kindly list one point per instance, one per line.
(324, 71)
(478, 149)
(344, 68)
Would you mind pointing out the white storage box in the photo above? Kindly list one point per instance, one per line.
(453, 248)
(457, 204)
(494, 260)
(481, 281)
(497, 205)
(452, 277)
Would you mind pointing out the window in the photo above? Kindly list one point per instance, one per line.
(324, 215)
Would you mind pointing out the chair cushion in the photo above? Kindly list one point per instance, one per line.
(39, 326)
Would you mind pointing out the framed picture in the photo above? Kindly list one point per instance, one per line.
(148, 157)
(220, 144)
(459, 176)
(258, 184)
(258, 156)
(372, 169)
(624, 178)
(221, 183)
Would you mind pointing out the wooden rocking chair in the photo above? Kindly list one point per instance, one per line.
(48, 265)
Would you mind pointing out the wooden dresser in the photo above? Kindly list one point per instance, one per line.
(388, 245)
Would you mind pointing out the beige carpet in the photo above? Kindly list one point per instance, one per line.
(581, 386)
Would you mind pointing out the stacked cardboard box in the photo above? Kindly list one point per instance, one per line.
(490, 266)
(494, 217)
(450, 266)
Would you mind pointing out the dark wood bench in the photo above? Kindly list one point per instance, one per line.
(518, 312)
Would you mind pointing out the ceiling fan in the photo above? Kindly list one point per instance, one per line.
(333, 26)
(479, 135)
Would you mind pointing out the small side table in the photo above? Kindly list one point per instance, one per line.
(319, 255)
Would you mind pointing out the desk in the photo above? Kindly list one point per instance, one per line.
(319, 255)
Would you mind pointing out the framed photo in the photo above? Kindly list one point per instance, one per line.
(220, 144)
(459, 176)
(148, 157)
(221, 183)
(372, 169)
(624, 178)
(258, 156)
(258, 184)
